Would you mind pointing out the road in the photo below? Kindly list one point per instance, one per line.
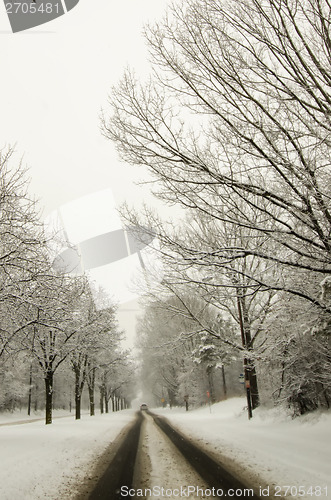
(153, 460)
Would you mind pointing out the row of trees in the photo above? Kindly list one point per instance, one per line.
(234, 126)
(180, 362)
(49, 321)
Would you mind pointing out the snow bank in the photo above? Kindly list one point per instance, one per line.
(41, 461)
(280, 451)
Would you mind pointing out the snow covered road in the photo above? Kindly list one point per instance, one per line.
(160, 464)
(271, 450)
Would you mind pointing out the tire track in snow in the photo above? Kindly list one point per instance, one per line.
(155, 455)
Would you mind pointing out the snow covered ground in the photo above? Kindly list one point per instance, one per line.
(271, 450)
(39, 461)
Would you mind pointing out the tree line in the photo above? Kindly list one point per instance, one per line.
(234, 126)
(50, 323)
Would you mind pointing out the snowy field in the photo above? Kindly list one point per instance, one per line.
(39, 461)
(271, 450)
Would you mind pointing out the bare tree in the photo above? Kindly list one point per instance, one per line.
(193, 264)
(235, 123)
(55, 300)
(173, 335)
(22, 251)
(97, 333)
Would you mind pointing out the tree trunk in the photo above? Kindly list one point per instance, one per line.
(211, 384)
(171, 396)
(77, 394)
(91, 400)
(30, 391)
(36, 396)
(77, 406)
(91, 387)
(79, 366)
(49, 395)
(101, 400)
(224, 382)
(251, 371)
(253, 383)
(244, 343)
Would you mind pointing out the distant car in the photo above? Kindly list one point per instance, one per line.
(144, 406)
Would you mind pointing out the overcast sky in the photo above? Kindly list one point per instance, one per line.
(54, 80)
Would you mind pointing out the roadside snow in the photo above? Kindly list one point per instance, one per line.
(41, 461)
(18, 417)
(272, 447)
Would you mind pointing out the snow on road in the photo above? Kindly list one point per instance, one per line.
(161, 465)
(39, 461)
(271, 450)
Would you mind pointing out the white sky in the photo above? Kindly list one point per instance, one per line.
(54, 80)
